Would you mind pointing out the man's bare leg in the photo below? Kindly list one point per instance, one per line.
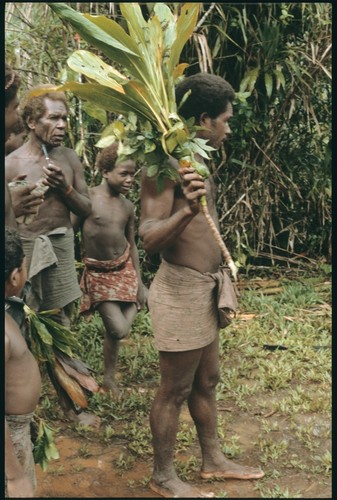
(177, 373)
(202, 406)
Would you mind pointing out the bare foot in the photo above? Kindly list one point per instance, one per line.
(231, 470)
(175, 488)
(113, 391)
(84, 418)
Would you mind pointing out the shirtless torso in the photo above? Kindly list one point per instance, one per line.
(22, 393)
(190, 242)
(105, 232)
(55, 210)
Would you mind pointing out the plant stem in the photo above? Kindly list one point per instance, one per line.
(224, 250)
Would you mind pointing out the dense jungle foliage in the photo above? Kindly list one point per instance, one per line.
(274, 179)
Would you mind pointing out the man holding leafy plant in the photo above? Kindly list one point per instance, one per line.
(182, 297)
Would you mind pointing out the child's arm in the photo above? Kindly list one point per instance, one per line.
(130, 236)
(19, 484)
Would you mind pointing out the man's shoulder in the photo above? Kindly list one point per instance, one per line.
(64, 150)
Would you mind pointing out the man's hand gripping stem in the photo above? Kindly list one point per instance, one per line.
(197, 201)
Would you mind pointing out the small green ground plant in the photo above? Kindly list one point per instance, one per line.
(274, 397)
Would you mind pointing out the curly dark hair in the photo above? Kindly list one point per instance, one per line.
(14, 253)
(12, 84)
(209, 94)
(33, 107)
(106, 160)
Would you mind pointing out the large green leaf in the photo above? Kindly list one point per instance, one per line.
(89, 29)
(138, 27)
(149, 40)
(134, 65)
(93, 67)
(185, 27)
(166, 19)
(107, 98)
(141, 94)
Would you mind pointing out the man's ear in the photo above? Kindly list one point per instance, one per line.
(31, 123)
(204, 119)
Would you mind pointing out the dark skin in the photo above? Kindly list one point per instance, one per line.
(62, 171)
(172, 224)
(106, 233)
(15, 141)
(22, 387)
(21, 201)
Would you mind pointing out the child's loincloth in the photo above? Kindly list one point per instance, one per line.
(183, 308)
(108, 280)
(19, 429)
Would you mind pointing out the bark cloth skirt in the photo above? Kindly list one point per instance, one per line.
(183, 308)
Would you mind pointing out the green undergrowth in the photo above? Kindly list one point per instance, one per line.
(274, 396)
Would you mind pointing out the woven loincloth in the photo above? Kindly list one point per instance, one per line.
(183, 308)
(51, 269)
(19, 429)
(108, 280)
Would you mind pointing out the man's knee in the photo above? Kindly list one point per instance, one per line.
(208, 383)
(178, 394)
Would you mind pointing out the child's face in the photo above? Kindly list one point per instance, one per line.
(120, 178)
(15, 141)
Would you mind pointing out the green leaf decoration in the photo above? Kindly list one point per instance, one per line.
(44, 334)
(44, 448)
(142, 88)
(148, 57)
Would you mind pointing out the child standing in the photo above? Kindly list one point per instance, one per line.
(22, 382)
(111, 282)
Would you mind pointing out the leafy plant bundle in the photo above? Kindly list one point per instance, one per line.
(44, 448)
(53, 344)
(150, 129)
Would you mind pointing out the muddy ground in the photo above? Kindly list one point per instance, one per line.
(87, 467)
